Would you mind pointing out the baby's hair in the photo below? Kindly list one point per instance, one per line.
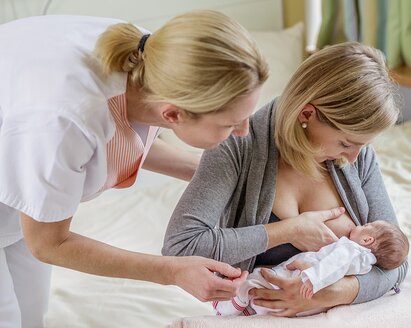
(391, 245)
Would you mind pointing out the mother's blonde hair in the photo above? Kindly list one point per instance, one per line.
(199, 61)
(350, 87)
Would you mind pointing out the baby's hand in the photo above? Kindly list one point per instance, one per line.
(298, 265)
(306, 290)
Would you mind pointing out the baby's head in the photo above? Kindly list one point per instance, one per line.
(385, 240)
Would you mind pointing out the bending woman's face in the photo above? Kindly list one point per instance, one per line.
(209, 130)
(334, 144)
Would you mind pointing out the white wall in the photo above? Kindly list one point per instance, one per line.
(151, 14)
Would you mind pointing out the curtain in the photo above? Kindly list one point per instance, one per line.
(384, 24)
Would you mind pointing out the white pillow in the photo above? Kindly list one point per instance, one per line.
(283, 51)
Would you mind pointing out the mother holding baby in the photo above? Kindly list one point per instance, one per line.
(306, 151)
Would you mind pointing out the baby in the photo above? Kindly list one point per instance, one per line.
(379, 243)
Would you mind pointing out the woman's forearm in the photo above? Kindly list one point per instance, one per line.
(377, 282)
(87, 255)
(169, 160)
(229, 245)
(342, 292)
(279, 233)
(80, 253)
(54, 243)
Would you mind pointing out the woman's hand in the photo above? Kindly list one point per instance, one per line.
(306, 289)
(197, 276)
(306, 231)
(289, 300)
(310, 231)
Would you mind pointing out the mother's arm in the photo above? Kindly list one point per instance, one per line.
(378, 281)
(194, 227)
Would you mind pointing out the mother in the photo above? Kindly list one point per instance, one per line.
(306, 151)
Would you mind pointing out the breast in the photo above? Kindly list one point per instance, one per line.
(341, 226)
(324, 197)
(297, 194)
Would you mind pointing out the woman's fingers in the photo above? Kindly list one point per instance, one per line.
(224, 269)
(298, 265)
(311, 230)
(221, 295)
(270, 304)
(197, 276)
(284, 313)
(330, 214)
(241, 278)
(281, 283)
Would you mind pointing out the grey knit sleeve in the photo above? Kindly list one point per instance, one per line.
(198, 225)
(377, 282)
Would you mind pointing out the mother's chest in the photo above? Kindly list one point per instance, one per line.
(296, 194)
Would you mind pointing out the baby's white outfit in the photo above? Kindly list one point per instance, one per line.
(331, 263)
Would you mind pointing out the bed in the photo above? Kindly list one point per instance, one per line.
(136, 218)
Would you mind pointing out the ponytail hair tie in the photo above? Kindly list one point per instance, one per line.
(142, 42)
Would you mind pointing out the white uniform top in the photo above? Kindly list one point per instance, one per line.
(55, 120)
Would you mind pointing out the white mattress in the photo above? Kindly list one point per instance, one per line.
(137, 220)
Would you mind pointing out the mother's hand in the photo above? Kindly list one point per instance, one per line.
(288, 300)
(306, 231)
(310, 231)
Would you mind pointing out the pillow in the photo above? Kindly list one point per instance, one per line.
(283, 51)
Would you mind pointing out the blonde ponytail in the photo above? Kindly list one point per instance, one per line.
(199, 61)
(117, 49)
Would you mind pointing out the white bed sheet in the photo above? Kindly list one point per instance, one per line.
(134, 221)
(137, 221)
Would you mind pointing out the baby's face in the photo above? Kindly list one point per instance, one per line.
(360, 233)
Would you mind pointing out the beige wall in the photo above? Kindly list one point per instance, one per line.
(293, 12)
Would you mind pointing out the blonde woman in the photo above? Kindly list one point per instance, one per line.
(81, 102)
(306, 151)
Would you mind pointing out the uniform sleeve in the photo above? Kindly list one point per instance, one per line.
(195, 228)
(378, 281)
(42, 165)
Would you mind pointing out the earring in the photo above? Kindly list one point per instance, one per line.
(304, 125)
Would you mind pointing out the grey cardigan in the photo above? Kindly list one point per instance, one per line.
(222, 213)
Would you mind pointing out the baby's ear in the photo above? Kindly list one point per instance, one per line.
(367, 240)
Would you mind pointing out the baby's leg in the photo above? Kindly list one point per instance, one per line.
(230, 307)
(238, 304)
